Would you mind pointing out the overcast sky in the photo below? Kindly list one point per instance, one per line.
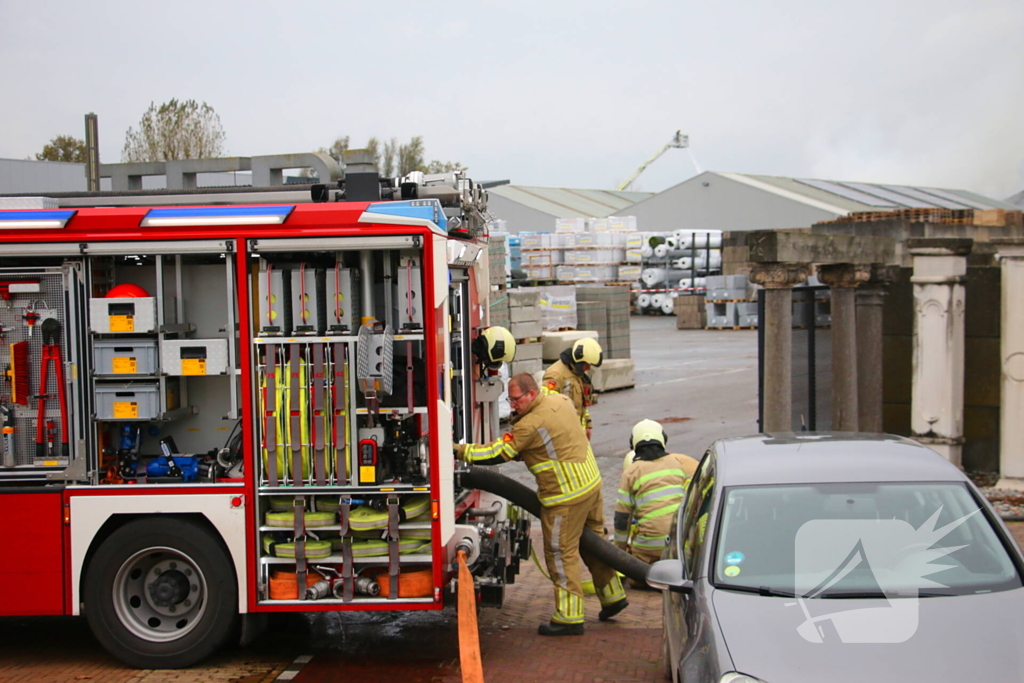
(574, 94)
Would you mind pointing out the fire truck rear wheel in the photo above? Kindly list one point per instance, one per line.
(161, 594)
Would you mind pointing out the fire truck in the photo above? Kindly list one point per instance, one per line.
(216, 407)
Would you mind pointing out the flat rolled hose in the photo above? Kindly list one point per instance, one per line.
(494, 482)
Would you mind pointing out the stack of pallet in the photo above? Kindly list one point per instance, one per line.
(608, 307)
(498, 265)
(525, 326)
(730, 303)
(691, 313)
(541, 253)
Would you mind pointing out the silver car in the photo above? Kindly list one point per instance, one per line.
(838, 557)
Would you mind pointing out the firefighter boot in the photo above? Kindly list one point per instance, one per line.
(611, 609)
(556, 629)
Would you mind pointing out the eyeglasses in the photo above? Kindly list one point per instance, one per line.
(513, 399)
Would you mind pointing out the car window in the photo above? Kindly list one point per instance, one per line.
(696, 513)
(880, 540)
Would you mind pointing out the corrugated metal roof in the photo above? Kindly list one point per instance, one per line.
(562, 202)
(857, 196)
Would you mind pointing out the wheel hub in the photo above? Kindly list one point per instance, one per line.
(170, 588)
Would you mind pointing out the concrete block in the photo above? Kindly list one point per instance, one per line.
(524, 314)
(721, 314)
(529, 351)
(748, 320)
(528, 366)
(614, 373)
(526, 330)
(556, 342)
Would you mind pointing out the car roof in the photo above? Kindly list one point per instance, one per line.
(824, 457)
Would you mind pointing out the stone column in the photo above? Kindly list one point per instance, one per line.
(778, 280)
(937, 409)
(1011, 405)
(843, 279)
(870, 300)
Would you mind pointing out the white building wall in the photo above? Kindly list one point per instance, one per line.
(711, 201)
(22, 175)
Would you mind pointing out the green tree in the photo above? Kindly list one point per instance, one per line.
(63, 148)
(175, 130)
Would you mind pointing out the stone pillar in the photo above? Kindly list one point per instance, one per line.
(778, 280)
(870, 300)
(937, 409)
(843, 279)
(1011, 408)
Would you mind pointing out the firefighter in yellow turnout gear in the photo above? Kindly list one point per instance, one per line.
(650, 492)
(568, 376)
(548, 438)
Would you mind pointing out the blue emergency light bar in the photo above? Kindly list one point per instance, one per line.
(52, 219)
(216, 215)
(413, 211)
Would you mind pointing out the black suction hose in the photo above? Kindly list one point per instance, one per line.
(490, 480)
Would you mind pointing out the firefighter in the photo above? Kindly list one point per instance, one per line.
(568, 376)
(650, 492)
(493, 346)
(548, 439)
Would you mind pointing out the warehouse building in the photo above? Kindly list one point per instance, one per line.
(534, 209)
(741, 201)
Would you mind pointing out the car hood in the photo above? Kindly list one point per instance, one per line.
(971, 637)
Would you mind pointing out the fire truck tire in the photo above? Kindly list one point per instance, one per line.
(161, 594)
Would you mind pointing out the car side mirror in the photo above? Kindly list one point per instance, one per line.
(668, 575)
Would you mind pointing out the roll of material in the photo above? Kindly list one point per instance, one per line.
(657, 300)
(643, 301)
(655, 240)
(699, 239)
(668, 306)
(646, 250)
(707, 260)
(665, 251)
(654, 277)
(683, 263)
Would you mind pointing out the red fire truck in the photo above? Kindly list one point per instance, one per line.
(219, 406)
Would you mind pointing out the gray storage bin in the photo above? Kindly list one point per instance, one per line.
(135, 400)
(124, 357)
(122, 316)
(194, 356)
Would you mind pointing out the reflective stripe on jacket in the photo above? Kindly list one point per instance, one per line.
(561, 379)
(549, 440)
(650, 492)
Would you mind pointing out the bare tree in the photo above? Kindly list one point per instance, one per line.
(410, 156)
(388, 159)
(394, 158)
(63, 148)
(436, 166)
(175, 130)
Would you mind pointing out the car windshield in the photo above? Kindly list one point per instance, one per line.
(859, 540)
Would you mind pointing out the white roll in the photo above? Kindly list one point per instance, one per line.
(646, 250)
(684, 238)
(643, 300)
(656, 277)
(665, 251)
(672, 242)
(668, 306)
(656, 299)
(700, 282)
(683, 262)
(686, 283)
(702, 239)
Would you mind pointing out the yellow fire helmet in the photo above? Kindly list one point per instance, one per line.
(587, 351)
(495, 345)
(647, 430)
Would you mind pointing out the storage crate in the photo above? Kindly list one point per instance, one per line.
(185, 357)
(122, 315)
(135, 400)
(124, 357)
